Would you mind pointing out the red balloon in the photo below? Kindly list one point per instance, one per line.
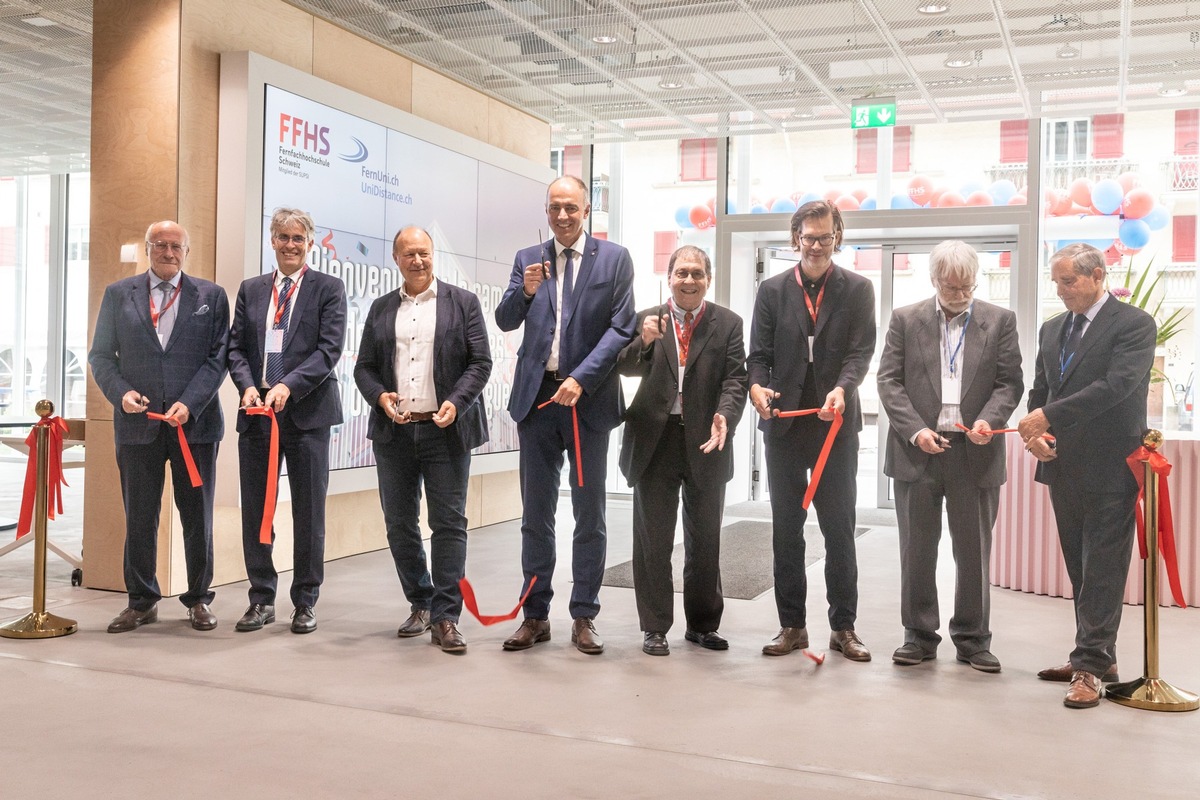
(1120, 247)
(1062, 206)
(846, 203)
(980, 198)
(935, 195)
(920, 189)
(1081, 192)
(1050, 202)
(1137, 204)
(701, 216)
(832, 195)
(1017, 200)
(860, 195)
(950, 200)
(712, 204)
(1129, 181)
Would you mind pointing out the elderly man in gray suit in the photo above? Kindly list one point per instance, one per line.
(948, 361)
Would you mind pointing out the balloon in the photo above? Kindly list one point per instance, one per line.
(831, 195)
(859, 195)
(1120, 247)
(1002, 191)
(919, 189)
(1157, 218)
(1063, 204)
(759, 208)
(798, 198)
(712, 205)
(808, 197)
(1129, 181)
(979, 198)
(1107, 196)
(682, 219)
(970, 187)
(868, 204)
(730, 208)
(938, 191)
(950, 200)
(1137, 204)
(1081, 192)
(701, 216)
(1017, 200)
(1134, 233)
(903, 201)
(1099, 244)
(846, 203)
(783, 205)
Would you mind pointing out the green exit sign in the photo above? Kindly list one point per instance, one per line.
(873, 112)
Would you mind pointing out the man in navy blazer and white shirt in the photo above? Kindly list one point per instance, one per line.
(574, 295)
(288, 331)
(422, 364)
(160, 345)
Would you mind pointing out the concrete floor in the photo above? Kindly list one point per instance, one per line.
(352, 711)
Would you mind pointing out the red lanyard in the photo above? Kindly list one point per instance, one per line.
(684, 333)
(812, 310)
(279, 306)
(154, 315)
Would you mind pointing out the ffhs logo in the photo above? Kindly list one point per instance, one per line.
(296, 132)
(360, 153)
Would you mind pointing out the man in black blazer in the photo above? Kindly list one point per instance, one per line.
(288, 332)
(422, 363)
(678, 435)
(160, 345)
(1089, 390)
(574, 297)
(811, 341)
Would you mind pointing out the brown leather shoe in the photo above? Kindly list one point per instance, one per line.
(1064, 672)
(787, 640)
(131, 618)
(848, 644)
(446, 636)
(416, 624)
(1084, 692)
(530, 633)
(202, 617)
(585, 638)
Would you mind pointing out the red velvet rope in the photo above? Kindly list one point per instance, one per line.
(56, 479)
(1166, 523)
(578, 449)
(193, 473)
(468, 596)
(268, 518)
(834, 427)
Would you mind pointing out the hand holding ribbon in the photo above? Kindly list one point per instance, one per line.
(56, 479)
(578, 448)
(193, 473)
(1166, 523)
(268, 518)
(834, 427)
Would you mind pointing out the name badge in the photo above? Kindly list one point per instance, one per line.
(951, 390)
(275, 341)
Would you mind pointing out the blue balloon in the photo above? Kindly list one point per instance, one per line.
(868, 204)
(1134, 234)
(681, 217)
(902, 201)
(730, 208)
(783, 205)
(1107, 196)
(970, 187)
(808, 197)
(759, 208)
(1157, 218)
(1099, 244)
(1002, 191)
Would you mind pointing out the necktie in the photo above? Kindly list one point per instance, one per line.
(1074, 334)
(568, 275)
(282, 314)
(166, 316)
(685, 338)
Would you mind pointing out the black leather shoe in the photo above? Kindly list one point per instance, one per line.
(445, 635)
(710, 640)
(202, 617)
(416, 624)
(257, 615)
(655, 644)
(304, 620)
(530, 633)
(131, 618)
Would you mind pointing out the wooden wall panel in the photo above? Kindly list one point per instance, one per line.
(447, 102)
(345, 59)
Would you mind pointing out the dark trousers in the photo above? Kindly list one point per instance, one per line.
(655, 504)
(545, 435)
(789, 458)
(971, 512)
(142, 479)
(307, 455)
(1095, 530)
(418, 455)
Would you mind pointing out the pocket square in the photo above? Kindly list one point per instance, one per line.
(200, 311)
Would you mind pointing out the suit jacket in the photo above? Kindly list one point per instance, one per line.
(461, 366)
(1097, 412)
(126, 355)
(311, 353)
(713, 383)
(597, 323)
(844, 343)
(910, 385)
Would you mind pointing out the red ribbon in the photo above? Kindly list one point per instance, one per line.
(1166, 524)
(468, 596)
(578, 449)
(193, 473)
(825, 448)
(268, 519)
(1048, 437)
(57, 480)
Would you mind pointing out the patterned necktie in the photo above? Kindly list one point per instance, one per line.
(282, 314)
(166, 316)
(685, 338)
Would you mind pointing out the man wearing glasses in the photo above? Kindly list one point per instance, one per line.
(160, 346)
(811, 341)
(286, 341)
(971, 347)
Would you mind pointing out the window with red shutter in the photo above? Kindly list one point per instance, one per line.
(1014, 141)
(1187, 132)
(866, 143)
(697, 159)
(1183, 238)
(665, 243)
(1108, 136)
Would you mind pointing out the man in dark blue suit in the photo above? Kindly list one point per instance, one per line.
(422, 363)
(288, 331)
(160, 345)
(1089, 390)
(574, 295)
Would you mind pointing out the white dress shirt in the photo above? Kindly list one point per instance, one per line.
(416, 323)
(552, 361)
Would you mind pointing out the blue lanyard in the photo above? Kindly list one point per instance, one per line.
(952, 357)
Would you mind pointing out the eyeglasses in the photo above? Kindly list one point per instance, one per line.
(297, 239)
(958, 289)
(698, 275)
(174, 247)
(824, 241)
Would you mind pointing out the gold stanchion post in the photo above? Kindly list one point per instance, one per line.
(38, 624)
(1150, 691)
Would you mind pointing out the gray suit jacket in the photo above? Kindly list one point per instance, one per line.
(910, 385)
